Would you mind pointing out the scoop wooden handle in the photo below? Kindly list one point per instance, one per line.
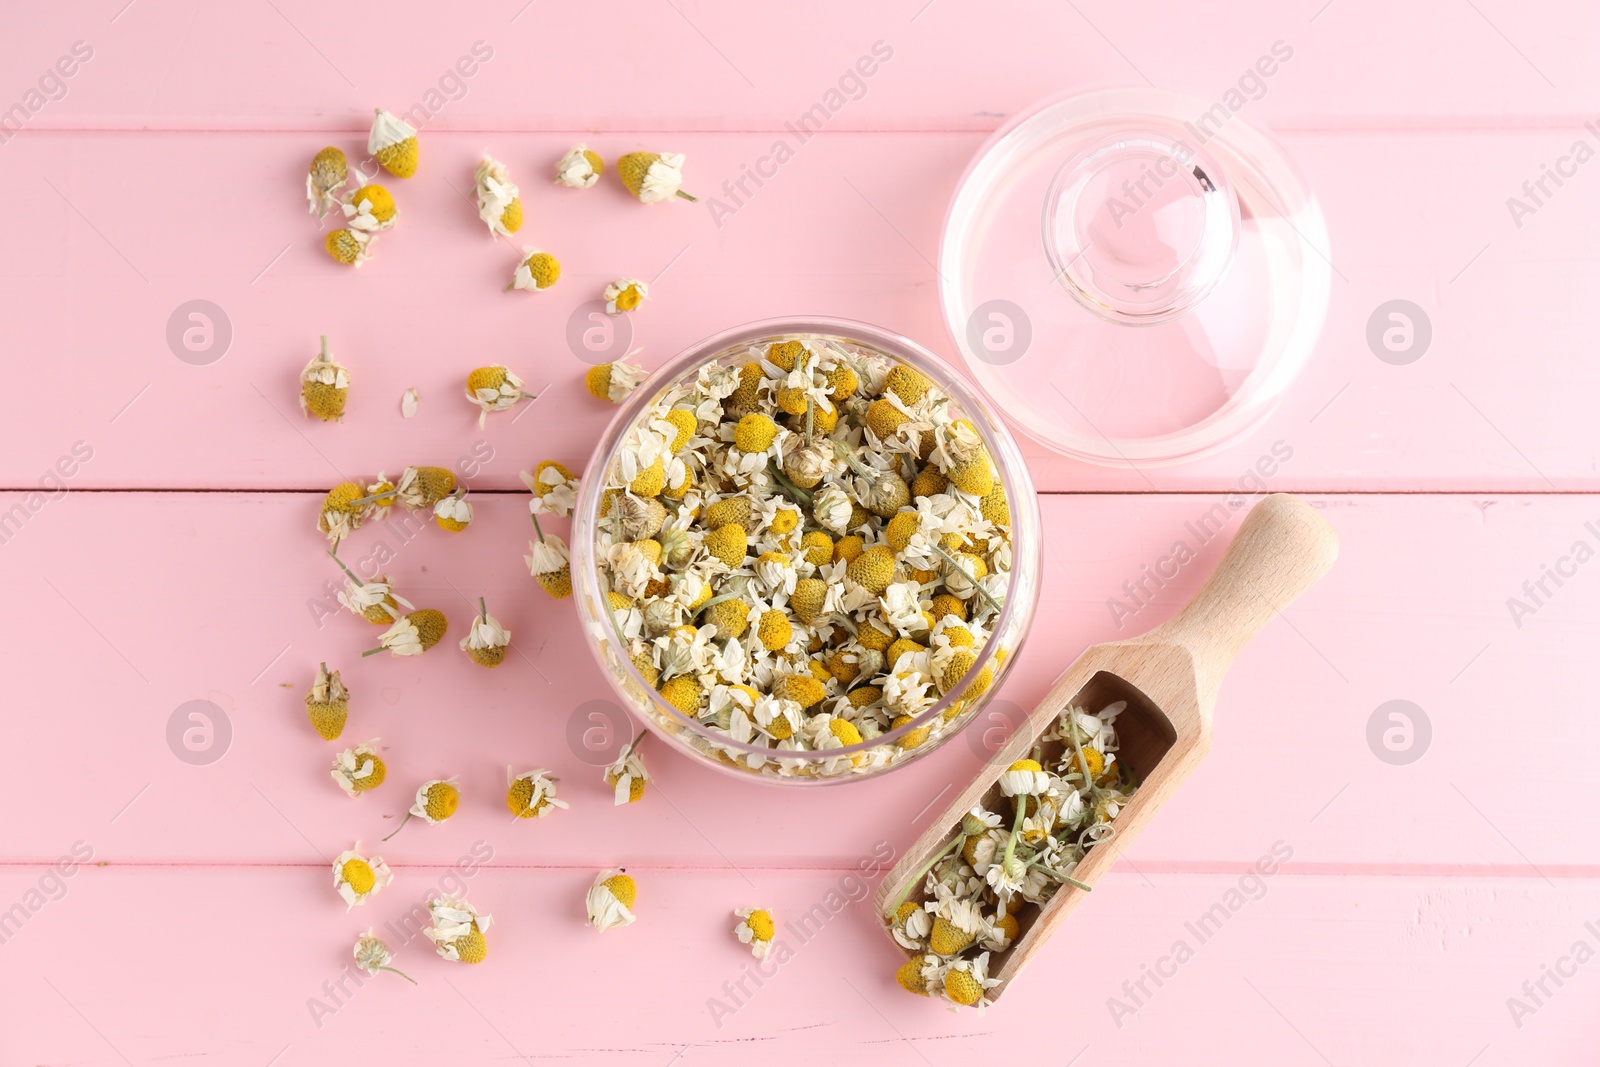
(1282, 548)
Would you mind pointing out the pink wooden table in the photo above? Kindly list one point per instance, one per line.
(1439, 911)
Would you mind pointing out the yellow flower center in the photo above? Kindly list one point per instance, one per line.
(622, 887)
(359, 876)
(760, 923)
(442, 801)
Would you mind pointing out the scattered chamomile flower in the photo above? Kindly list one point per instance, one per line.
(625, 294)
(499, 202)
(554, 489)
(755, 929)
(537, 272)
(372, 956)
(486, 640)
(376, 601)
(423, 487)
(408, 403)
(412, 634)
(343, 510)
(328, 173)
(494, 388)
(610, 900)
(436, 801)
(369, 208)
(350, 247)
(579, 168)
(458, 929)
(358, 769)
(453, 513)
(652, 176)
(328, 704)
(394, 142)
(531, 794)
(548, 563)
(627, 776)
(324, 385)
(614, 381)
(357, 877)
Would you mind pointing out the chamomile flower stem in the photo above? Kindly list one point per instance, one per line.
(402, 974)
(724, 598)
(1058, 876)
(1083, 764)
(916, 880)
(790, 490)
(402, 826)
(536, 528)
(686, 196)
(364, 655)
(1016, 829)
(483, 610)
(961, 570)
(324, 347)
(811, 409)
(374, 497)
(348, 572)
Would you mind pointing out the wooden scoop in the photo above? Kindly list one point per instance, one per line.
(1169, 678)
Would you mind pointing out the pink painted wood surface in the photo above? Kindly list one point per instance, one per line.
(181, 563)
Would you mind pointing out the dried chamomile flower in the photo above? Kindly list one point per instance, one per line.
(357, 877)
(358, 770)
(610, 900)
(394, 142)
(1024, 778)
(651, 176)
(554, 489)
(614, 381)
(436, 800)
(458, 929)
(376, 601)
(579, 168)
(350, 247)
(328, 704)
(369, 208)
(966, 981)
(453, 513)
(486, 640)
(328, 173)
(412, 634)
(343, 509)
(756, 929)
(423, 487)
(537, 272)
(499, 202)
(625, 294)
(494, 388)
(627, 776)
(548, 563)
(324, 385)
(532, 794)
(373, 955)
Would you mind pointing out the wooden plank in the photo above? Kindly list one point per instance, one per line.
(113, 646)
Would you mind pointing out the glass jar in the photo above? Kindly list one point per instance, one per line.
(874, 755)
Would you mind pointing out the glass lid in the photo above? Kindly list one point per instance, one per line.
(1134, 276)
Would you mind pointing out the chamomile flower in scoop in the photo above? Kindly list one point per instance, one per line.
(548, 563)
(499, 201)
(453, 513)
(531, 794)
(486, 639)
(372, 956)
(1024, 778)
(614, 381)
(458, 929)
(627, 776)
(554, 489)
(328, 173)
(610, 900)
(579, 168)
(350, 247)
(537, 272)
(324, 385)
(328, 704)
(394, 142)
(652, 176)
(494, 388)
(625, 294)
(412, 634)
(756, 929)
(435, 802)
(358, 770)
(357, 877)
